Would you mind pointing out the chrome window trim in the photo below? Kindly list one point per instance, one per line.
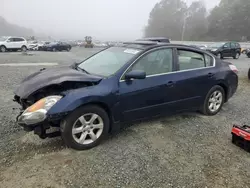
(162, 47)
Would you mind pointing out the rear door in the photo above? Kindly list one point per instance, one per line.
(233, 49)
(195, 76)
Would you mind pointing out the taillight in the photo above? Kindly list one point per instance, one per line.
(234, 68)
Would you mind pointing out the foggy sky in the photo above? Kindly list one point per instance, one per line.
(102, 19)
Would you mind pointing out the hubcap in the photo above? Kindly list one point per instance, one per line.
(87, 128)
(215, 101)
(237, 55)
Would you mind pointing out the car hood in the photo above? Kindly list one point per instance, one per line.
(46, 77)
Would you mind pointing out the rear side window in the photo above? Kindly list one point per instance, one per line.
(209, 60)
(190, 60)
(237, 45)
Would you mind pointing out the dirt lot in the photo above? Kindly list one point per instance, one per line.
(187, 150)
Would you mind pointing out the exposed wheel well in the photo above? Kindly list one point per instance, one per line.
(225, 89)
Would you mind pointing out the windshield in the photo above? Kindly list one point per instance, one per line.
(3, 39)
(216, 45)
(109, 61)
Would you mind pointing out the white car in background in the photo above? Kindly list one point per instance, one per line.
(13, 44)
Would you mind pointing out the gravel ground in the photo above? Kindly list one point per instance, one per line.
(186, 150)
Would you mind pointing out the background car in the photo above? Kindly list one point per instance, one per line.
(12, 44)
(155, 39)
(135, 81)
(32, 45)
(57, 46)
(228, 49)
(248, 53)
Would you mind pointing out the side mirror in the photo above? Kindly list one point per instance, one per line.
(135, 74)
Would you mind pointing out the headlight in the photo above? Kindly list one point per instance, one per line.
(37, 112)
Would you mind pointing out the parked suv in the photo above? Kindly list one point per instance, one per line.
(227, 49)
(12, 44)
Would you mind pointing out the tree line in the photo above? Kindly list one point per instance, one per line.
(174, 19)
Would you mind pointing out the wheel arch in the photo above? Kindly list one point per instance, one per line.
(226, 89)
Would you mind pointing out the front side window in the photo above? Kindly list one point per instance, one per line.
(156, 62)
(190, 60)
(108, 61)
(11, 40)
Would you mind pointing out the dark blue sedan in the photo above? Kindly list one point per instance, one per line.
(135, 81)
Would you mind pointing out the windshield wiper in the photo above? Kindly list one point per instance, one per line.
(81, 69)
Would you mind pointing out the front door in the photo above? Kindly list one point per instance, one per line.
(148, 97)
(11, 44)
(226, 50)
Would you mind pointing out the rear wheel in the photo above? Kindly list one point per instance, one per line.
(237, 55)
(68, 49)
(220, 56)
(85, 127)
(249, 73)
(24, 48)
(3, 49)
(214, 101)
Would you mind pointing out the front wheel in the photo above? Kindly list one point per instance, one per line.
(85, 127)
(3, 49)
(214, 101)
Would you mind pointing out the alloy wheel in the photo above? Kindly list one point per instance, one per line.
(3, 49)
(87, 128)
(215, 101)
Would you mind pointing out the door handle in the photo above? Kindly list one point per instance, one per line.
(170, 84)
(210, 75)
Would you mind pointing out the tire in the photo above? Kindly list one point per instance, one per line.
(73, 140)
(206, 110)
(68, 49)
(237, 55)
(23, 48)
(219, 55)
(248, 55)
(3, 49)
(248, 74)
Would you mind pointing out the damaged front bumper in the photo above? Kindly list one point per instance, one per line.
(35, 117)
